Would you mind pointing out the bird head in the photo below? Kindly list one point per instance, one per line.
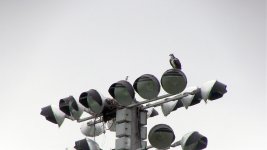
(171, 55)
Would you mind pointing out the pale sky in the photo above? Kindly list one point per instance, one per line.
(55, 48)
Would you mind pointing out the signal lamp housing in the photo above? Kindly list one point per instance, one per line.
(98, 104)
(53, 114)
(161, 136)
(122, 92)
(70, 107)
(194, 141)
(213, 90)
(191, 100)
(93, 100)
(92, 130)
(147, 86)
(173, 81)
(86, 144)
(168, 107)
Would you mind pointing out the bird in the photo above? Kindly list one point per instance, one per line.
(175, 63)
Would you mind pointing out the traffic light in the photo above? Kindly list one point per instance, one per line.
(173, 81)
(70, 107)
(213, 90)
(123, 92)
(86, 144)
(53, 114)
(161, 136)
(147, 86)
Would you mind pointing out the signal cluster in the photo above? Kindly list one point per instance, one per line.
(110, 110)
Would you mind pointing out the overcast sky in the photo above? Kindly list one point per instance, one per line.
(55, 48)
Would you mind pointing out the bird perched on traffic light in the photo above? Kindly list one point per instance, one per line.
(175, 63)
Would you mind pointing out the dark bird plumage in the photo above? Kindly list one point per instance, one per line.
(175, 63)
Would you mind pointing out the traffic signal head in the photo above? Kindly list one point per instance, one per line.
(86, 144)
(122, 92)
(161, 136)
(168, 107)
(213, 90)
(92, 130)
(53, 114)
(173, 81)
(191, 100)
(93, 100)
(194, 141)
(70, 107)
(147, 86)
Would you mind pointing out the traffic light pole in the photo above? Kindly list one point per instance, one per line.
(135, 137)
(130, 128)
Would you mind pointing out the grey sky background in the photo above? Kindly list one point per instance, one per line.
(52, 49)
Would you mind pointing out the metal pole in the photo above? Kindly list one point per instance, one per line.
(86, 118)
(135, 129)
(165, 101)
(130, 128)
(178, 97)
(148, 101)
(178, 143)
